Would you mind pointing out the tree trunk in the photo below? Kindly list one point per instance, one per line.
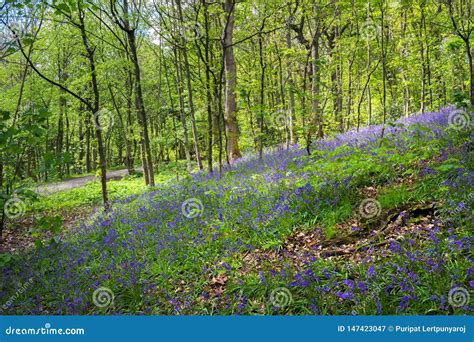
(262, 95)
(231, 124)
(189, 89)
(290, 88)
(128, 149)
(471, 71)
(140, 106)
(422, 59)
(95, 107)
(182, 110)
(208, 89)
(384, 71)
(317, 122)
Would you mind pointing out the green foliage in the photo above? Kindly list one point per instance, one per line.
(280, 81)
(17, 136)
(91, 195)
(49, 223)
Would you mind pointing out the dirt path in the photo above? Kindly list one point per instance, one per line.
(77, 182)
(16, 235)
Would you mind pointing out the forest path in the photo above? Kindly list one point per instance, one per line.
(77, 182)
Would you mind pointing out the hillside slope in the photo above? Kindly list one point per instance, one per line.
(362, 226)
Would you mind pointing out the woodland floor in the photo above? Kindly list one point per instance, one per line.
(273, 236)
(18, 237)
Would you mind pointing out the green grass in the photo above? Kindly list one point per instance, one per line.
(412, 280)
(90, 194)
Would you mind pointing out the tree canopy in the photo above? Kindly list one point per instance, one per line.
(88, 85)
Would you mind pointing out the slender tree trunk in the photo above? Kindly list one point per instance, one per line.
(349, 92)
(60, 136)
(315, 88)
(220, 124)
(182, 110)
(384, 71)
(406, 91)
(422, 59)
(428, 62)
(88, 145)
(208, 89)
(366, 87)
(129, 85)
(290, 86)
(128, 148)
(464, 32)
(262, 95)
(68, 165)
(122, 19)
(62, 107)
(95, 107)
(230, 117)
(189, 89)
(471, 71)
(140, 106)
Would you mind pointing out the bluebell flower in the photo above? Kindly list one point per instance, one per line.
(362, 287)
(371, 272)
(349, 283)
(344, 295)
(404, 302)
(313, 307)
